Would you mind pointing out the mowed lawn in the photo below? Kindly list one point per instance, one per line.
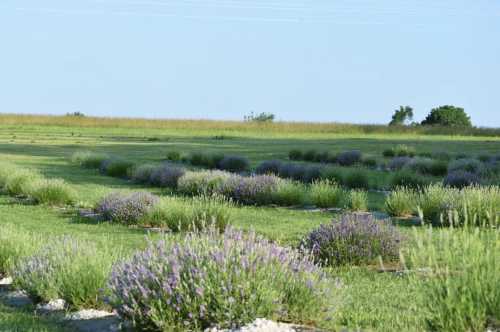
(369, 300)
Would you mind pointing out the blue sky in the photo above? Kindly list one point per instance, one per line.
(325, 60)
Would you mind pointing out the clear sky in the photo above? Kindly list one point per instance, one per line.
(324, 60)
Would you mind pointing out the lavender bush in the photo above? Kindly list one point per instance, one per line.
(397, 163)
(66, 268)
(202, 182)
(126, 208)
(460, 179)
(212, 280)
(349, 158)
(256, 189)
(142, 173)
(116, 167)
(269, 167)
(354, 239)
(167, 175)
(235, 164)
(466, 165)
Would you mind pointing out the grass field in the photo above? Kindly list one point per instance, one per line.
(370, 300)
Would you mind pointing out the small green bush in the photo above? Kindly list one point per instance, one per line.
(116, 167)
(88, 159)
(203, 182)
(357, 201)
(173, 156)
(142, 173)
(289, 193)
(461, 290)
(326, 194)
(403, 150)
(66, 268)
(295, 155)
(370, 162)
(388, 153)
(335, 174)
(52, 192)
(6, 171)
(401, 202)
(194, 214)
(309, 155)
(19, 182)
(15, 244)
(357, 179)
(408, 179)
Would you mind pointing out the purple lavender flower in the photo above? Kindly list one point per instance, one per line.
(126, 209)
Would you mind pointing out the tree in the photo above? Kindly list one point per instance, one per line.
(448, 116)
(262, 117)
(402, 116)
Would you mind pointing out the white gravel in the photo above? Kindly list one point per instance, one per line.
(51, 306)
(261, 325)
(89, 314)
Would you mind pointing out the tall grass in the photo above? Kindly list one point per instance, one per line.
(401, 202)
(460, 283)
(242, 128)
(14, 245)
(52, 192)
(325, 194)
(20, 180)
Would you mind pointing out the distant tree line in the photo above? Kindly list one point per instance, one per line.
(446, 116)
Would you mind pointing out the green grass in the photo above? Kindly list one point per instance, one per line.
(367, 299)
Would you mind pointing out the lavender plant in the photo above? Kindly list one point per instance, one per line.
(354, 239)
(126, 208)
(212, 280)
(236, 164)
(167, 175)
(269, 167)
(461, 179)
(326, 194)
(250, 190)
(349, 158)
(142, 173)
(203, 182)
(52, 192)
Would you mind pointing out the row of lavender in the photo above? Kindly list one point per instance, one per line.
(206, 279)
(260, 189)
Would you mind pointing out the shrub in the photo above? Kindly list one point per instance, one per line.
(322, 157)
(6, 171)
(205, 160)
(173, 156)
(289, 193)
(403, 150)
(269, 167)
(236, 164)
(466, 165)
(370, 162)
(325, 194)
(461, 292)
(485, 158)
(349, 158)
(397, 163)
(441, 155)
(142, 173)
(309, 155)
(357, 179)
(408, 179)
(15, 244)
(66, 268)
(334, 174)
(126, 208)
(298, 172)
(357, 200)
(388, 153)
(195, 214)
(295, 155)
(460, 179)
(116, 167)
(19, 182)
(167, 175)
(87, 159)
(311, 173)
(211, 280)
(203, 182)
(354, 239)
(52, 192)
(438, 168)
(256, 189)
(401, 202)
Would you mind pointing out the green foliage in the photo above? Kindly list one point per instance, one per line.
(334, 174)
(88, 159)
(357, 179)
(357, 201)
(20, 180)
(14, 245)
(401, 202)
(295, 154)
(116, 167)
(460, 285)
(173, 156)
(402, 116)
(195, 214)
(289, 193)
(259, 118)
(408, 179)
(326, 194)
(448, 116)
(52, 192)
(66, 268)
